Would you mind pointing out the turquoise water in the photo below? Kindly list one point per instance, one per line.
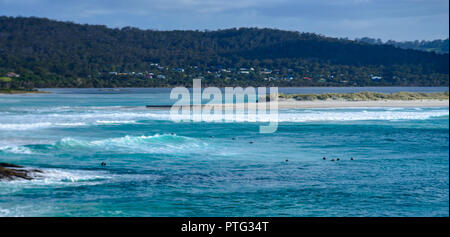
(156, 167)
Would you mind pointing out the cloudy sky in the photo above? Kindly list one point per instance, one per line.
(385, 19)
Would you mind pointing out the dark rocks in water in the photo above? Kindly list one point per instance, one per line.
(12, 171)
(233, 138)
(8, 165)
(36, 171)
(338, 159)
(251, 142)
(332, 159)
(103, 164)
(351, 158)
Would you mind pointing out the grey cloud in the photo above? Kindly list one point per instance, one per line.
(353, 18)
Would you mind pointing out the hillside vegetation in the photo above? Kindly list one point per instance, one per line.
(438, 46)
(48, 53)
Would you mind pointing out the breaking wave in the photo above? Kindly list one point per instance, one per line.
(319, 115)
(128, 116)
(164, 143)
(15, 149)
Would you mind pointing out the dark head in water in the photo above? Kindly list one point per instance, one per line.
(338, 159)
(287, 160)
(103, 164)
(351, 158)
(233, 138)
(251, 142)
(324, 158)
(332, 159)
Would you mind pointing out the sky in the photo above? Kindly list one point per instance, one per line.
(386, 19)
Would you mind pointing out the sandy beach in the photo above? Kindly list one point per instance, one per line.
(294, 104)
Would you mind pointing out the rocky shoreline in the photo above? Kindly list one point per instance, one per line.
(13, 172)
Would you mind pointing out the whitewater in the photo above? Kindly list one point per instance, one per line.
(158, 167)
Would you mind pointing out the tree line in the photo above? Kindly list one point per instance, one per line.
(48, 53)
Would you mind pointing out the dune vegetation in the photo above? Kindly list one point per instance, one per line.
(19, 91)
(367, 96)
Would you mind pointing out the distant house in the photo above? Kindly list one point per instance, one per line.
(376, 78)
(12, 74)
(272, 78)
(266, 71)
(244, 71)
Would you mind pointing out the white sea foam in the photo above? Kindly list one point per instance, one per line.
(70, 124)
(31, 126)
(16, 149)
(316, 115)
(165, 143)
(59, 177)
(43, 125)
(361, 115)
(116, 122)
(131, 116)
(24, 126)
(4, 212)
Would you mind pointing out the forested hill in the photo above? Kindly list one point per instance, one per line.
(438, 46)
(38, 52)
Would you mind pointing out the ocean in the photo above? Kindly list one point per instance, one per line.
(157, 167)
